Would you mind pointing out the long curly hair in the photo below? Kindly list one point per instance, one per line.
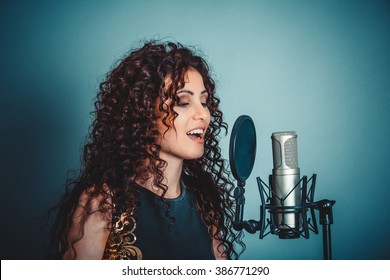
(123, 137)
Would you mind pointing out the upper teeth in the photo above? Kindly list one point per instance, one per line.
(196, 131)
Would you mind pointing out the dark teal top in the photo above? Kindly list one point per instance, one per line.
(158, 230)
(177, 234)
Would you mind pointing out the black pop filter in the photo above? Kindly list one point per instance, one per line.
(242, 150)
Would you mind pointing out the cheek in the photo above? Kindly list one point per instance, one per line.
(167, 138)
(172, 135)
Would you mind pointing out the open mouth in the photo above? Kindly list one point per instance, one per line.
(196, 134)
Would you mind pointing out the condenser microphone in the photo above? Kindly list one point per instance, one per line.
(285, 184)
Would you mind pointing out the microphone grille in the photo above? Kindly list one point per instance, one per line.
(290, 153)
(284, 148)
(277, 153)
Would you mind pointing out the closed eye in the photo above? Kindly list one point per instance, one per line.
(182, 104)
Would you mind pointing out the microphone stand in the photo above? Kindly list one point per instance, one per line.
(326, 219)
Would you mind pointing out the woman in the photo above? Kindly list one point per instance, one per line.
(153, 184)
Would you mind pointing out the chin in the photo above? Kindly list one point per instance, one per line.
(194, 156)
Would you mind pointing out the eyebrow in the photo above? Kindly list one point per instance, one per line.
(190, 92)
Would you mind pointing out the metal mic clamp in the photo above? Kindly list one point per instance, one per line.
(250, 226)
(240, 202)
(325, 208)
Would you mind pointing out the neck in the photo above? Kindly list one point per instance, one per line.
(172, 174)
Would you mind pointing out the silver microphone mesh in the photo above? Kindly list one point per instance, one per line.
(277, 153)
(284, 148)
(290, 153)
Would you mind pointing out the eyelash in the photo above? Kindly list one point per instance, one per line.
(185, 104)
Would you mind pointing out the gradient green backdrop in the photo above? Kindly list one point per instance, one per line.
(321, 68)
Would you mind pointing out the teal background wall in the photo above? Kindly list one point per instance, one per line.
(320, 68)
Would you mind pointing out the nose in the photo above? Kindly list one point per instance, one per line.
(201, 112)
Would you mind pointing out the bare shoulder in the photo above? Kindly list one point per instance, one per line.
(94, 226)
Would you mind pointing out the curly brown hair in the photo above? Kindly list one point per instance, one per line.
(123, 136)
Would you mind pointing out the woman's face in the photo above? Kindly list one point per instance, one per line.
(186, 141)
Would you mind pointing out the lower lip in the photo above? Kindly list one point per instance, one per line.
(199, 141)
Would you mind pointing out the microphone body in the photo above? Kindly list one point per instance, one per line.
(285, 184)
